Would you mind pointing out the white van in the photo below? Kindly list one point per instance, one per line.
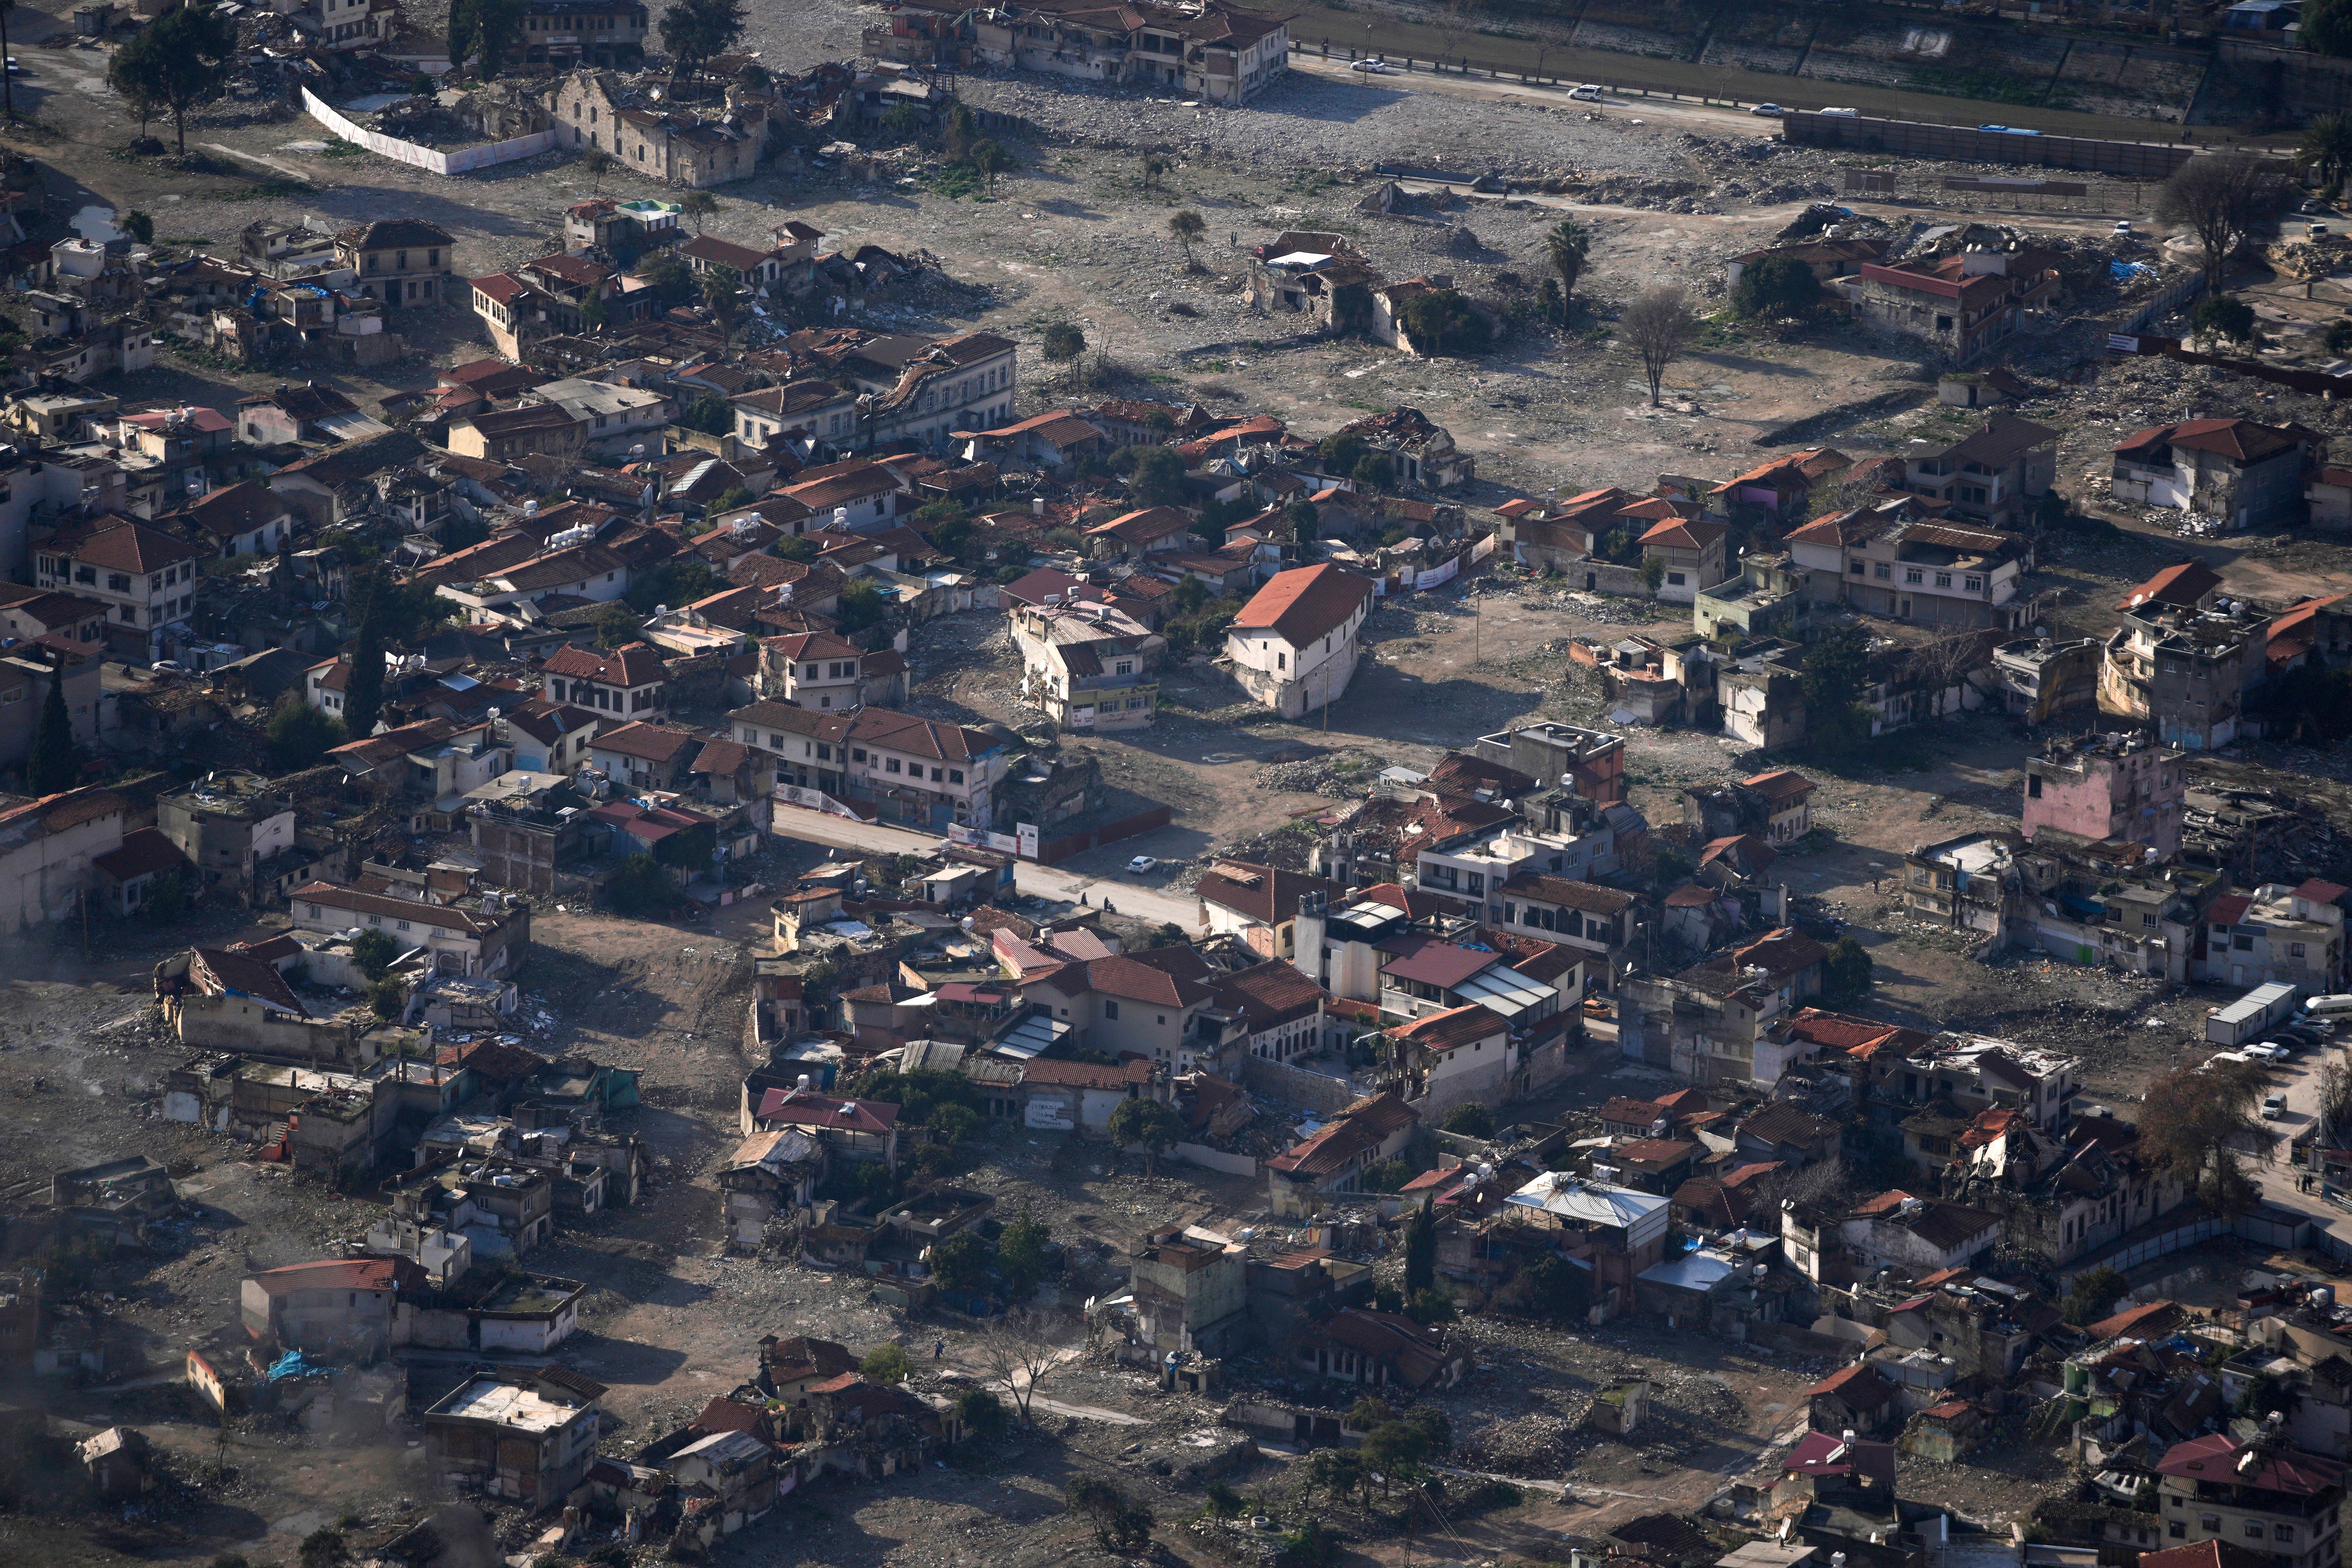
(1590, 92)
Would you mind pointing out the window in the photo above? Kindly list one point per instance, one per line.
(2242, 944)
(2034, 786)
(1675, 578)
(1127, 665)
(117, 581)
(2180, 1528)
(955, 775)
(2254, 1528)
(857, 753)
(1110, 1009)
(1856, 567)
(1943, 579)
(890, 764)
(1973, 584)
(2283, 1532)
(1282, 661)
(1912, 575)
(1881, 571)
(2148, 920)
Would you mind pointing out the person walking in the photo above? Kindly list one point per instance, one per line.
(938, 1349)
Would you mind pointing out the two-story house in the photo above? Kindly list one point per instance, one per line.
(1993, 476)
(1117, 1007)
(1294, 646)
(145, 577)
(1091, 667)
(818, 669)
(1689, 555)
(459, 940)
(907, 770)
(401, 261)
(2246, 474)
(630, 680)
(2218, 1487)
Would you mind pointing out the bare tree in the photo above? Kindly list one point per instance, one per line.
(2223, 199)
(1943, 664)
(1658, 324)
(1022, 1349)
(1822, 1182)
(1451, 22)
(2334, 1099)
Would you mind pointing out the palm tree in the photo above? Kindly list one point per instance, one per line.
(1187, 227)
(2326, 146)
(1568, 248)
(697, 206)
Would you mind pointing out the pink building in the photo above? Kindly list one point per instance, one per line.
(2108, 786)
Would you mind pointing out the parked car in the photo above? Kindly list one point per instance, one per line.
(1769, 111)
(2268, 1051)
(2274, 1107)
(1992, 127)
(1849, 113)
(1374, 66)
(1142, 864)
(1590, 92)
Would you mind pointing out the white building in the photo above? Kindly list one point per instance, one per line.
(1294, 646)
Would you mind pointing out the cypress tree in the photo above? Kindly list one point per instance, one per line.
(363, 694)
(54, 764)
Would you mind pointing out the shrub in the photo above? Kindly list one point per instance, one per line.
(1776, 286)
(1471, 1119)
(372, 953)
(887, 1364)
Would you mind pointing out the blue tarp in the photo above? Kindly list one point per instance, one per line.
(292, 1364)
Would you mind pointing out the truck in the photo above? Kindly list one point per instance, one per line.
(2250, 1016)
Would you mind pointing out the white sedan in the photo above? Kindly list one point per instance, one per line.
(1374, 66)
(1142, 864)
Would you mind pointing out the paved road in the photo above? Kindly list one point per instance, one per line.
(1492, 90)
(2277, 1177)
(1039, 881)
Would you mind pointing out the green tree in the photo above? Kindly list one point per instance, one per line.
(639, 887)
(720, 288)
(1121, 1522)
(901, 123)
(2327, 27)
(1442, 324)
(617, 625)
(372, 952)
(1374, 471)
(887, 1364)
(1557, 1288)
(135, 223)
(1304, 520)
(324, 1549)
(671, 281)
(54, 763)
(594, 313)
(1335, 1472)
(1772, 286)
(1341, 451)
(708, 413)
(754, 77)
(1420, 1250)
(483, 31)
(1063, 342)
(1430, 1305)
(1188, 226)
(597, 164)
(1568, 246)
(1021, 1252)
(1158, 476)
(695, 31)
(363, 691)
(388, 997)
(1148, 1123)
(1396, 1450)
(959, 131)
(1471, 1119)
(1368, 1411)
(2339, 336)
(300, 734)
(179, 61)
(982, 1415)
(2326, 147)
(697, 206)
(861, 606)
(1845, 973)
(1836, 673)
(961, 1262)
(1190, 594)
(2223, 316)
(2092, 1293)
(988, 160)
(167, 897)
(951, 1124)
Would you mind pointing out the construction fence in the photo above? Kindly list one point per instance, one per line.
(1862, 133)
(432, 161)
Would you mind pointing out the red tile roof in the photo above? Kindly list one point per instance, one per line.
(2180, 586)
(822, 1111)
(2215, 1458)
(1454, 1028)
(1303, 604)
(635, 664)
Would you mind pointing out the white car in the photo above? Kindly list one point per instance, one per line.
(1142, 864)
(2274, 1107)
(1768, 110)
(1374, 66)
(1844, 113)
(2268, 1051)
(1588, 93)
